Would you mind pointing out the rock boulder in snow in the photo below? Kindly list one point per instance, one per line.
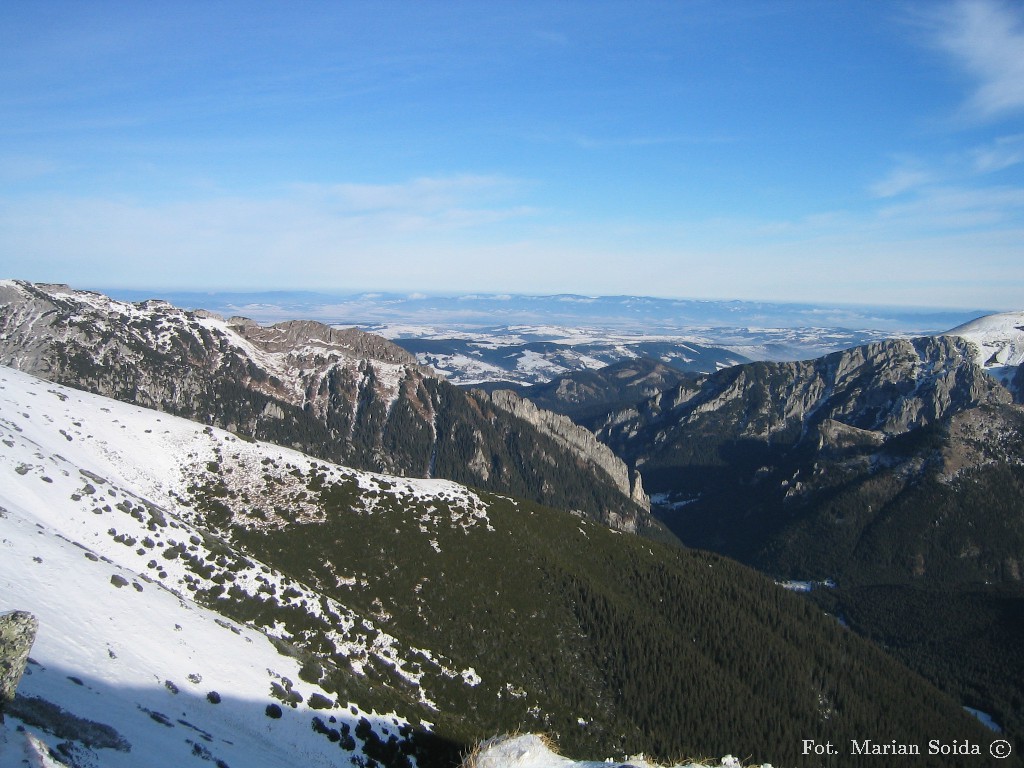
(17, 633)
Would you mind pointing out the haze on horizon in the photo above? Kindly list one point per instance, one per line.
(776, 150)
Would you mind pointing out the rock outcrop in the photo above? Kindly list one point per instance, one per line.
(17, 633)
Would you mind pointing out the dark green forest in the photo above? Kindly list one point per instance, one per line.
(610, 644)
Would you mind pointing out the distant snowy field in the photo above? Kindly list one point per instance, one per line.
(484, 338)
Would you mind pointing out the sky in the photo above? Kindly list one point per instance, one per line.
(777, 150)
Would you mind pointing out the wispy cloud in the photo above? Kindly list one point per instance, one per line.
(907, 176)
(421, 196)
(1004, 152)
(945, 208)
(986, 38)
(967, 171)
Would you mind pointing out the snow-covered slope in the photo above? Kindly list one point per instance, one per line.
(98, 540)
(999, 341)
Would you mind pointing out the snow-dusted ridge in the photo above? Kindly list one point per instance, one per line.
(99, 538)
(286, 354)
(533, 354)
(338, 393)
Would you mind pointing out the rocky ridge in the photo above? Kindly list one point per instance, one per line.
(886, 388)
(755, 460)
(586, 396)
(340, 394)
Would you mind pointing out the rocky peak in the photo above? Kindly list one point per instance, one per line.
(997, 342)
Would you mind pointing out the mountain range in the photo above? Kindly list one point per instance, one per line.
(892, 471)
(524, 340)
(419, 313)
(889, 471)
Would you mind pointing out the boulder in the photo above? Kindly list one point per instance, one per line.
(17, 633)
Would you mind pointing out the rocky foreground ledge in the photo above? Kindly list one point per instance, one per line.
(533, 751)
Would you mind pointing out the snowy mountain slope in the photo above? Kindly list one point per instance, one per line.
(130, 668)
(173, 683)
(96, 542)
(391, 595)
(999, 342)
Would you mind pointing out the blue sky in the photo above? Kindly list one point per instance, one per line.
(784, 150)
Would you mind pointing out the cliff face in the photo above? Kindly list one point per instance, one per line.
(578, 439)
(585, 396)
(339, 394)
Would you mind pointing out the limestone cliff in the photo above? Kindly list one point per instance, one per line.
(888, 387)
(581, 440)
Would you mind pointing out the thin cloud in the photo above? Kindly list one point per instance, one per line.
(593, 142)
(901, 180)
(419, 196)
(949, 208)
(1004, 152)
(357, 228)
(986, 38)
